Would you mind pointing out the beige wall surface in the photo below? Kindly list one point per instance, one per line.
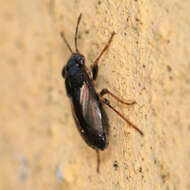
(148, 61)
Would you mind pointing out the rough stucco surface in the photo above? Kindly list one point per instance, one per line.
(148, 61)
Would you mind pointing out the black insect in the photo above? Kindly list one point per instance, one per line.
(87, 104)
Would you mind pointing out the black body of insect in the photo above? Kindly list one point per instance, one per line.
(87, 104)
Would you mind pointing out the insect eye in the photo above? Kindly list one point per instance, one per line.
(81, 61)
(63, 72)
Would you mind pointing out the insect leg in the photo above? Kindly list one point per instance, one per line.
(98, 161)
(95, 65)
(106, 91)
(106, 102)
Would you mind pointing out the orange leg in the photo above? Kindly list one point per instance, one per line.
(106, 91)
(95, 65)
(98, 161)
(106, 102)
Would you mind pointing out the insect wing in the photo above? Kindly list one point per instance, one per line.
(90, 107)
(89, 115)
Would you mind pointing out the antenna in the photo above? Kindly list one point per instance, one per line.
(64, 39)
(76, 33)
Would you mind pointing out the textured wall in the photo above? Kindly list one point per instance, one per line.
(148, 61)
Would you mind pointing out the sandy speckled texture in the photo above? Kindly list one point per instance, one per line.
(148, 61)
